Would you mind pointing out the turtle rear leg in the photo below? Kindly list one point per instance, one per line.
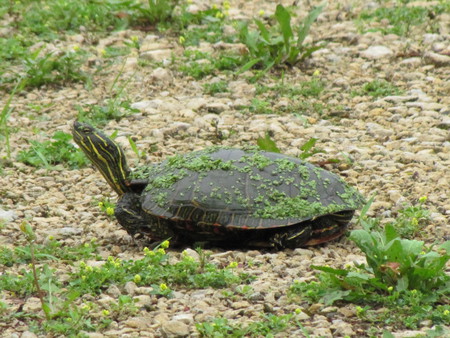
(294, 237)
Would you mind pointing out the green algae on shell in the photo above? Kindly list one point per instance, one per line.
(248, 184)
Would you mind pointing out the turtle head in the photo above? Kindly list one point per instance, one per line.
(105, 154)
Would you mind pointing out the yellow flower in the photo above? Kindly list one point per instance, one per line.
(226, 5)
(298, 311)
(161, 251)
(316, 72)
(423, 199)
(76, 48)
(165, 244)
(446, 312)
(163, 286)
(219, 15)
(390, 289)
(135, 38)
(85, 307)
(233, 265)
(181, 39)
(105, 313)
(137, 279)
(86, 245)
(261, 12)
(110, 211)
(51, 237)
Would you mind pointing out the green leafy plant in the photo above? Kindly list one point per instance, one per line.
(308, 149)
(378, 88)
(107, 207)
(54, 69)
(272, 46)
(402, 275)
(157, 10)
(267, 327)
(266, 143)
(400, 18)
(154, 270)
(215, 87)
(50, 153)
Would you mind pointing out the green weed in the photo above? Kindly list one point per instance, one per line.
(153, 269)
(267, 144)
(404, 276)
(378, 88)
(269, 47)
(4, 115)
(269, 326)
(68, 16)
(215, 87)
(51, 69)
(47, 154)
(107, 207)
(400, 18)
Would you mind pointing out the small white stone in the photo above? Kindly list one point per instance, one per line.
(7, 215)
(377, 52)
(174, 329)
(157, 55)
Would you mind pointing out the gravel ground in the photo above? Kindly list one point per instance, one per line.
(398, 147)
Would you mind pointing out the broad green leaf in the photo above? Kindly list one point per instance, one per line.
(359, 275)
(284, 19)
(248, 65)
(339, 272)
(402, 283)
(309, 144)
(306, 24)
(263, 30)
(387, 334)
(267, 144)
(390, 233)
(366, 207)
(330, 297)
(445, 246)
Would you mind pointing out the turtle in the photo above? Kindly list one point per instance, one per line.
(223, 196)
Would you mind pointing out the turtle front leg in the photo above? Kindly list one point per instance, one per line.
(135, 221)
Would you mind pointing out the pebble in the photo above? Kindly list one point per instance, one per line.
(140, 323)
(8, 215)
(186, 318)
(33, 304)
(377, 52)
(130, 288)
(436, 59)
(156, 55)
(174, 329)
(161, 76)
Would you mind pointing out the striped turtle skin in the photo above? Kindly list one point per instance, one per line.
(224, 196)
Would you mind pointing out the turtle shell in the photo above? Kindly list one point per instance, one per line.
(248, 189)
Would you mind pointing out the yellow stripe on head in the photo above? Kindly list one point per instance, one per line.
(105, 154)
